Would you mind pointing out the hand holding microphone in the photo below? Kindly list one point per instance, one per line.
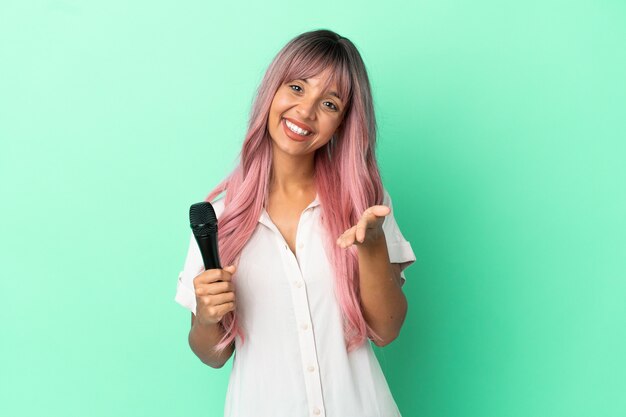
(215, 292)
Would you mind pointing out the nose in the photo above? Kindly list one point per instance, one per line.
(306, 108)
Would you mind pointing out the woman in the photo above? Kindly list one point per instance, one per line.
(315, 258)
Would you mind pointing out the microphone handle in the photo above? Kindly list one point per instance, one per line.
(208, 248)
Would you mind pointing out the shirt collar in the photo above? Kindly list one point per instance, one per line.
(265, 219)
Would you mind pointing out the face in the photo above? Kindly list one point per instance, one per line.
(302, 117)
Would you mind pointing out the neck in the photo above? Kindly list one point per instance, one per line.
(292, 175)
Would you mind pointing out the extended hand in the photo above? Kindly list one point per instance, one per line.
(369, 228)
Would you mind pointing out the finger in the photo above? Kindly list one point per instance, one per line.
(217, 300)
(347, 238)
(228, 272)
(370, 219)
(225, 276)
(221, 310)
(375, 212)
(381, 211)
(213, 275)
(361, 228)
(227, 307)
(215, 288)
(338, 241)
(208, 276)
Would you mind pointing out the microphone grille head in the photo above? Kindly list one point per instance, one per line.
(202, 218)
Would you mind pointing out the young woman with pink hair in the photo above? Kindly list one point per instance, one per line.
(315, 257)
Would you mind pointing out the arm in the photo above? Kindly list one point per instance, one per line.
(202, 339)
(382, 299)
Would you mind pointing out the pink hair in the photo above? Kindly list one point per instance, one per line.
(348, 160)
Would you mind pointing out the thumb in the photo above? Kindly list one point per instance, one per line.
(231, 268)
(382, 210)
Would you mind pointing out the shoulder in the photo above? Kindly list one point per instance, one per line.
(389, 219)
(386, 197)
(218, 206)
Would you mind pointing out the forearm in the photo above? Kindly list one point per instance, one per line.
(202, 340)
(382, 300)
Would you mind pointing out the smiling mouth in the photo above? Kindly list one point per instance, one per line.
(294, 131)
(297, 129)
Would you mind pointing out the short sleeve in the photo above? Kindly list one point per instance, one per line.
(399, 248)
(193, 266)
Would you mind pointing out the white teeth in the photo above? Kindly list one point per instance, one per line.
(296, 129)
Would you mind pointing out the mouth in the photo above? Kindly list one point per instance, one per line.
(295, 132)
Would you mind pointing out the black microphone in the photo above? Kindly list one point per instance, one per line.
(203, 222)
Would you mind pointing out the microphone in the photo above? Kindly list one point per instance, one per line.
(203, 222)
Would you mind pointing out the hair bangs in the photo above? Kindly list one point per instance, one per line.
(312, 61)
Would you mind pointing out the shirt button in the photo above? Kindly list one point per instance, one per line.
(316, 411)
(311, 368)
(301, 245)
(298, 284)
(304, 326)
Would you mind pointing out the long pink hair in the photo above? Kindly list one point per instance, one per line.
(346, 172)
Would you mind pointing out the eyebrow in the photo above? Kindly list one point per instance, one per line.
(332, 93)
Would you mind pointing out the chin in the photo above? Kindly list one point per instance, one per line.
(285, 148)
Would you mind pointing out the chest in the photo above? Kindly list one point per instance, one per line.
(275, 285)
(286, 216)
(286, 221)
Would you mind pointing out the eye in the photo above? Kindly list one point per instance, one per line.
(295, 85)
(332, 105)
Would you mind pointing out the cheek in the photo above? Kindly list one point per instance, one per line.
(275, 112)
(333, 124)
(280, 102)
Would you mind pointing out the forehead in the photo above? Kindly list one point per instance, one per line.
(325, 83)
(328, 79)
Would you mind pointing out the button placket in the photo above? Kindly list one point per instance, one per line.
(306, 337)
(301, 233)
(300, 301)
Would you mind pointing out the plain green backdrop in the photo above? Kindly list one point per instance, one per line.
(502, 141)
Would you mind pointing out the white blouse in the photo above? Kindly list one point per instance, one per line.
(294, 362)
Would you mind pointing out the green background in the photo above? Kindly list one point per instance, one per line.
(502, 143)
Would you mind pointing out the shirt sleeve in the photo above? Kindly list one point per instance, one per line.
(399, 248)
(194, 266)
